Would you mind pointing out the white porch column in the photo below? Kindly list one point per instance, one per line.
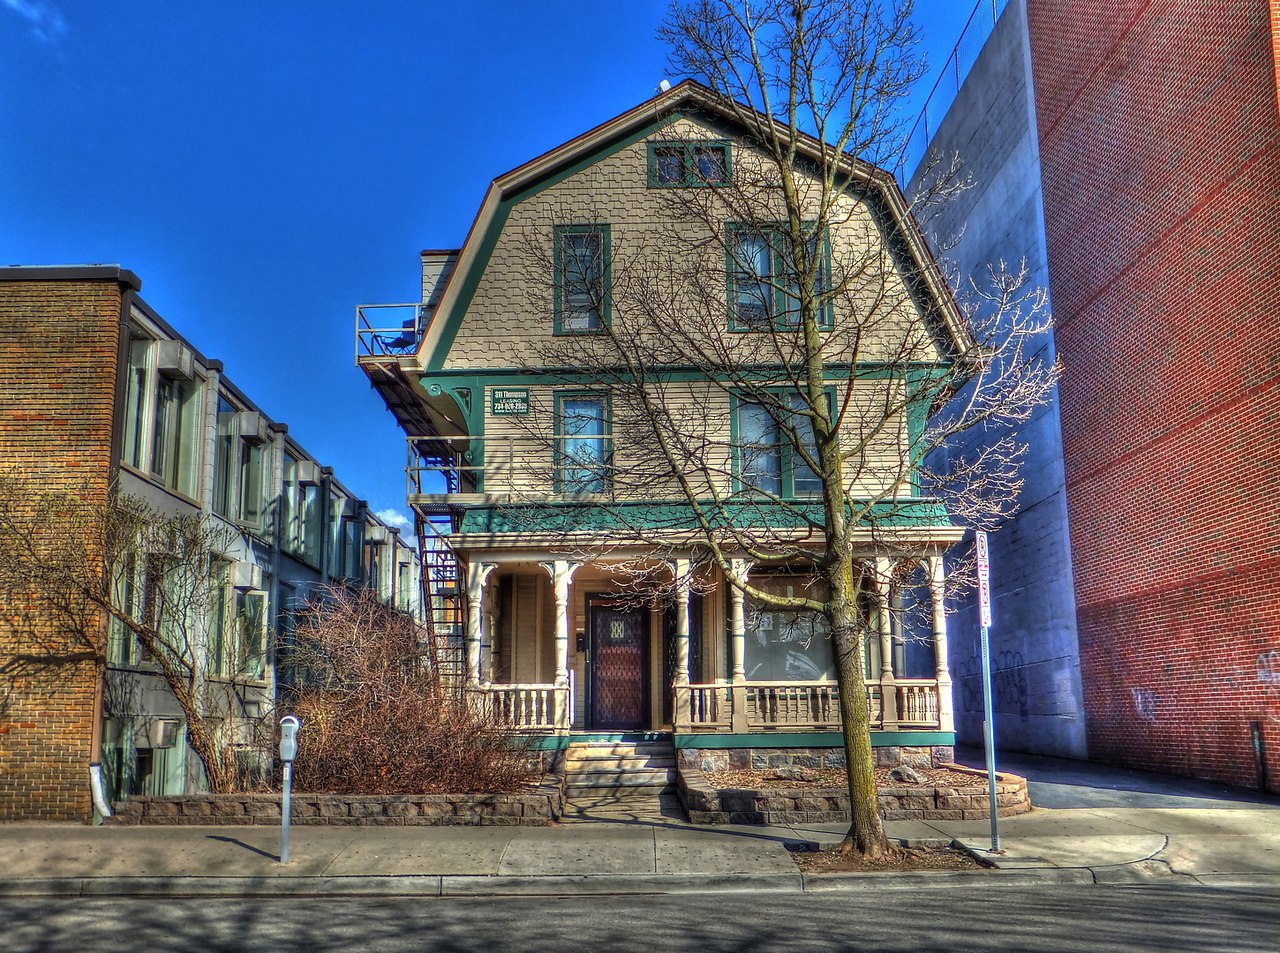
(738, 625)
(884, 627)
(938, 596)
(477, 575)
(680, 677)
(561, 572)
(488, 642)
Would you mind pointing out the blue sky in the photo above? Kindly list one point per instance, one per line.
(265, 167)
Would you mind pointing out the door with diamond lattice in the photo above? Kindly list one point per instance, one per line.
(619, 669)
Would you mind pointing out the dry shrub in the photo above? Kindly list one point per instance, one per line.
(378, 718)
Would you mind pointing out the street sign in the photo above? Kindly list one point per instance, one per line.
(988, 708)
(984, 581)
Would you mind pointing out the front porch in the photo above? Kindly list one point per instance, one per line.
(558, 647)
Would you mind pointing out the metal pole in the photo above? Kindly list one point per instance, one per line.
(285, 812)
(988, 734)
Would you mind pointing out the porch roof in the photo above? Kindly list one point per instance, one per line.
(560, 517)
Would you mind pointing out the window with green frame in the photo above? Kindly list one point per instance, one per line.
(676, 164)
(584, 447)
(581, 293)
(765, 459)
(763, 282)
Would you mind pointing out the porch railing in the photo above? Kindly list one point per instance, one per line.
(531, 708)
(801, 706)
(727, 707)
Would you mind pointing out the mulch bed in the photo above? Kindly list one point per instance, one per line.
(902, 858)
(767, 778)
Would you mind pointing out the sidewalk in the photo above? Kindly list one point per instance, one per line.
(1091, 824)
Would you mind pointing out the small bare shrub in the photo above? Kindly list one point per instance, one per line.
(377, 718)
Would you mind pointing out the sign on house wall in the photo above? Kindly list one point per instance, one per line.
(508, 401)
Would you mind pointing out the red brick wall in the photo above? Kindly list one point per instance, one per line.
(59, 344)
(1160, 148)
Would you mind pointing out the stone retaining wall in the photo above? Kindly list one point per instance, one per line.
(811, 805)
(534, 809)
(890, 756)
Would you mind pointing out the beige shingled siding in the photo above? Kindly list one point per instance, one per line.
(510, 313)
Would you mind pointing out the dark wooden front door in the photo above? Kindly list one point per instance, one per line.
(619, 669)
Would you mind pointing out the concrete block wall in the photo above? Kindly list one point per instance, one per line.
(59, 349)
(1159, 136)
(1038, 699)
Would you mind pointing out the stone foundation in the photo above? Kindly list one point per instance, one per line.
(533, 809)
(726, 759)
(810, 805)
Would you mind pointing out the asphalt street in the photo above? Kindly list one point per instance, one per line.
(1061, 918)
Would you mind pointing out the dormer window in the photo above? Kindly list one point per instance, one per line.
(688, 164)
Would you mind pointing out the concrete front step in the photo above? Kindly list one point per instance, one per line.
(619, 762)
(614, 749)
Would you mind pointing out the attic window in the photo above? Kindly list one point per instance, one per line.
(685, 164)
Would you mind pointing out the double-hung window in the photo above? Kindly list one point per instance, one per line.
(582, 278)
(583, 444)
(682, 164)
(765, 278)
(767, 460)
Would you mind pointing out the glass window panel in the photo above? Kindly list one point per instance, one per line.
(253, 460)
(583, 445)
(311, 524)
(668, 165)
(759, 455)
(787, 645)
(137, 393)
(751, 256)
(251, 620)
(583, 280)
(804, 481)
(185, 477)
(289, 505)
(226, 462)
(711, 163)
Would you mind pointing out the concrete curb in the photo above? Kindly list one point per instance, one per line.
(448, 885)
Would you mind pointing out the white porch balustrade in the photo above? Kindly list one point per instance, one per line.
(531, 708)
(803, 706)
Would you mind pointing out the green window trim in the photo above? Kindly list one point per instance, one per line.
(787, 464)
(775, 296)
(561, 459)
(688, 154)
(562, 290)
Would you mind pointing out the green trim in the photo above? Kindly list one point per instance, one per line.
(688, 149)
(812, 739)
(499, 376)
(607, 437)
(621, 518)
(493, 232)
(467, 391)
(562, 742)
(606, 277)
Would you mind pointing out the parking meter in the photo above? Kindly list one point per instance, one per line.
(289, 725)
(289, 738)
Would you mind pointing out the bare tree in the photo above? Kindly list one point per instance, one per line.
(86, 579)
(379, 715)
(822, 348)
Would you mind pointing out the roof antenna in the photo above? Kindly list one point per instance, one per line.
(664, 86)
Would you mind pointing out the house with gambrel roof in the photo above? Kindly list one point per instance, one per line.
(593, 579)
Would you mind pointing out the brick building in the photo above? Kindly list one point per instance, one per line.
(1155, 156)
(96, 388)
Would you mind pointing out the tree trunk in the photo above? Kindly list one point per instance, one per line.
(866, 833)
